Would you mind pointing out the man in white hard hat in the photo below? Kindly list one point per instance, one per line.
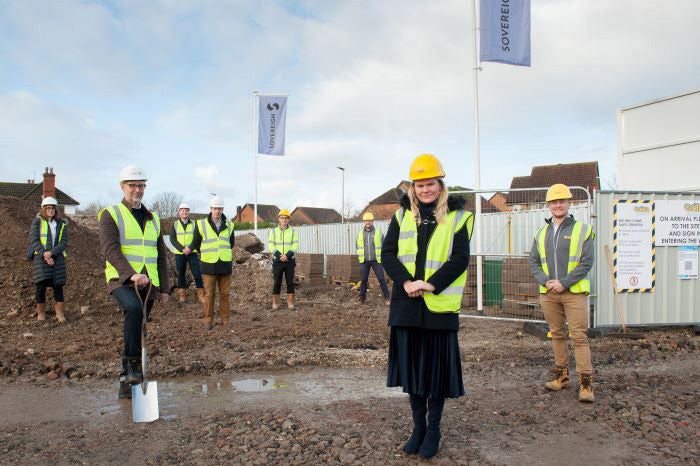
(213, 238)
(560, 259)
(181, 237)
(135, 258)
(369, 252)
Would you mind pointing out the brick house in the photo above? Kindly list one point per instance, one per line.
(314, 215)
(583, 174)
(384, 206)
(266, 213)
(35, 192)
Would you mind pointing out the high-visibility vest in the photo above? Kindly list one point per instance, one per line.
(184, 234)
(44, 236)
(139, 246)
(361, 245)
(575, 251)
(283, 240)
(215, 247)
(439, 251)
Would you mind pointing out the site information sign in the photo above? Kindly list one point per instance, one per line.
(677, 223)
(687, 262)
(634, 249)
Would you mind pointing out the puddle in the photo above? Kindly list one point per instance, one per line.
(255, 385)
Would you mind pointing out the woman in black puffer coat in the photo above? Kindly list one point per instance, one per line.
(48, 240)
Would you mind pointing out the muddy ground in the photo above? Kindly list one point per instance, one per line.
(307, 387)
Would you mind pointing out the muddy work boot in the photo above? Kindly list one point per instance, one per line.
(275, 302)
(585, 388)
(200, 295)
(59, 313)
(41, 311)
(181, 295)
(134, 374)
(290, 301)
(560, 381)
(124, 388)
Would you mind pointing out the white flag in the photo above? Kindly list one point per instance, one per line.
(505, 31)
(272, 116)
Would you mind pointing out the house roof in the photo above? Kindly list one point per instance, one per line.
(33, 192)
(584, 174)
(267, 212)
(318, 214)
(393, 195)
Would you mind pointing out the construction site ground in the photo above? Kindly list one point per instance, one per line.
(308, 386)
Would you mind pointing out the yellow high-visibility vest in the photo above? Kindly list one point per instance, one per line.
(283, 240)
(184, 234)
(439, 251)
(575, 251)
(215, 247)
(139, 246)
(44, 236)
(361, 245)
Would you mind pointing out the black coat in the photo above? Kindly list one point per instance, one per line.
(413, 312)
(40, 269)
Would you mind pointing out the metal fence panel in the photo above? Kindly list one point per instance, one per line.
(672, 301)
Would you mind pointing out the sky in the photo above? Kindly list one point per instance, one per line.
(88, 87)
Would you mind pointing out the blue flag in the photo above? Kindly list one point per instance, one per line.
(505, 31)
(272, 119)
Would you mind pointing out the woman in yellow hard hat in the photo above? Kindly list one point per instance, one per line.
(426, 253)
(48, 238)
(283, 243)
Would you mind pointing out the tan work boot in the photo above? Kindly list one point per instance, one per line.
(181, 295)
(41, 311)
(560, 381)
(585, 388)
(290, 301)
(275, 302)
(200, 295)
(59, 313)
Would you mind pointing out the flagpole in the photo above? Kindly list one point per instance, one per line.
(477, 166)
(255, 158)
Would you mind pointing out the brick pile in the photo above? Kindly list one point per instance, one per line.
(309, 269)
(520, 291)
(343, 268)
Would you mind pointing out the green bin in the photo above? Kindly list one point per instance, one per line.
(493, 292)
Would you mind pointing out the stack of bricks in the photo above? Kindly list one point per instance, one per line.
(343, 268)
(520, 290)
(309, 269)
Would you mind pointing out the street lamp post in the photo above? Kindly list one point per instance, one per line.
(342, 206)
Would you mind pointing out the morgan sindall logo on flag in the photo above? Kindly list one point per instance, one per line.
(272, 116)
(505, 31)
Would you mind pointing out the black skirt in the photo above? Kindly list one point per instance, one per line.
(425, 362)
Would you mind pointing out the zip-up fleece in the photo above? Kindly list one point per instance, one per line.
(557, 253)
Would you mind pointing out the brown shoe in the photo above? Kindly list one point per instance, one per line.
(290, 301)
(275, 302)
(387, 301)
(41, 311)
(585, 388)
(200, 295)
(560, 381)
(59, 313)
(181, 295)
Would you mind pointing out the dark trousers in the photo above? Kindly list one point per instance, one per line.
(40, 292)
(181, 260)
(286, 268)
(131, 308)
(364, 275)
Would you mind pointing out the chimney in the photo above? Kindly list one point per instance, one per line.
(49, 186)
(238, 212)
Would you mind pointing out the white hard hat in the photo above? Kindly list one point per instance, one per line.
(132, 173)
(183, 206)
(216, 201)
(49, 201)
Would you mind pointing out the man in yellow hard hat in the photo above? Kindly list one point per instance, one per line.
(560, 258)
(283, 244)
(369, 253)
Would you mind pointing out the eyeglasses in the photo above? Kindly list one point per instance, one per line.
(133, 186)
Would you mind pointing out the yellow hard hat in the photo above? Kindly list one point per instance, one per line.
(367, 216)
(558, 191)
(425, 166)
(283, 213)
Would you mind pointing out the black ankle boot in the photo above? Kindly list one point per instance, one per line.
(418, 409)
(133, 371)
(431, 441)
(124, 388)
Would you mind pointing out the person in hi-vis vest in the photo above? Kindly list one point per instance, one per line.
(560, 259)
(132, 246)
(214, 239)
(181, 237)
(283, 244)
(426, 254)
(369, 253)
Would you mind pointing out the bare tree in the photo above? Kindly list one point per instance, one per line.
(165, 204)
(92, 208)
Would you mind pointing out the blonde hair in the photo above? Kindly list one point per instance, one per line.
(440, 208)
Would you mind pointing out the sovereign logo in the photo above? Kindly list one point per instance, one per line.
(274, 106)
